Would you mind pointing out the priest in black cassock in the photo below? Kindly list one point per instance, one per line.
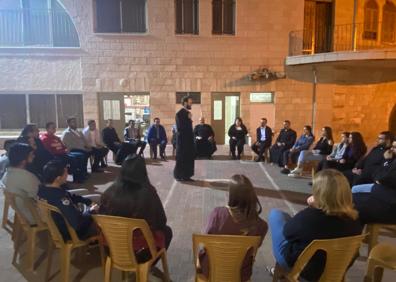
(185, 148)
(204, 139)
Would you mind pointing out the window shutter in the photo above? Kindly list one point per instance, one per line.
(229, 17)
(108, 16)
(217, 17)
(133, 16)
(179, 16)
(188, 16)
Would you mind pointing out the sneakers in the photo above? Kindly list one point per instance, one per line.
(297, 172)
(285, 171)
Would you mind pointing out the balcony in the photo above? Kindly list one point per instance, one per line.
(37, 28)
(343, 54)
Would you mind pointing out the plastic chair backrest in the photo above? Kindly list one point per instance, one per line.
(118, 232)
(12, 198)
(226, 254)
(339, 254)
(47, 212)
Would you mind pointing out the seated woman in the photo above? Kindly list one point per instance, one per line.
(239, 217)
(133, 196)
(330, 215)
(353, 153)
(322, 148)
(31, 135)
(302, 143)
(237, 133)
(376, 202)
(338, 151)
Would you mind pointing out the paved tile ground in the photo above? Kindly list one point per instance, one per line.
(187, 207)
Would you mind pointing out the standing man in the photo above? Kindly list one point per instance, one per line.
(185, 149)
(264, 140)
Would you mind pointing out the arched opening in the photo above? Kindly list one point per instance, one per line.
(39, 23)
(371, 14)
(388, 29)
(392, 120)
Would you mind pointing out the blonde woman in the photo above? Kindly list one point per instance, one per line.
(330, 214)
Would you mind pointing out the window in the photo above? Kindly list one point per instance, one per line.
(196, 97)
(388, 33)
(16, 110)
(223, 16)
(121, 16)
(371, 12)
(187, 20)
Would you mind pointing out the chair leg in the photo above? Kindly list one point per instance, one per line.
(373, 237)
(277, 273)
(49, 259)
(65, 262)
(17, 235)
(5, 214)
(31, 245)
(165, 268)
(142, 272)
(107, 277)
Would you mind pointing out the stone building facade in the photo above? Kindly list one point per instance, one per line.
(161, 63)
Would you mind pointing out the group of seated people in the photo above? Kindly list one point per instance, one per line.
(339, 211)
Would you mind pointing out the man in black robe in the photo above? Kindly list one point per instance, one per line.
(286, 139)
(185, 149)
(204, 139)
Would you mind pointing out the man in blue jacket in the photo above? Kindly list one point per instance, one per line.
(156, 135)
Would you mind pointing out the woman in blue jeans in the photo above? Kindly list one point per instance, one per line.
(330, 215)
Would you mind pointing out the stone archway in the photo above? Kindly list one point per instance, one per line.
(392, 120)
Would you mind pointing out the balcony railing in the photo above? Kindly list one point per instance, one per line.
(348, 37)
(38, 28)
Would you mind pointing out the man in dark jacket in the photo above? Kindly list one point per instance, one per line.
(286, 139)
(156, 135)
(205, 143)
(376, 202)
(365, 169)
(264, 140)
(185, 149)
(120, 149)
(71, 206)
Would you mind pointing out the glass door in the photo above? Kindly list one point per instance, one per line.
(111, 106)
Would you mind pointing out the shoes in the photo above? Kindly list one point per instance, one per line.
(285, 171)
(233, 157)
(103, 165)
(185, 179)
(97, 169)
(310, 183)
(297, 172)
(257, 160)
(163, 158)
(239, 157)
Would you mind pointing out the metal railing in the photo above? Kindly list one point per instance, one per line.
(347, 37)
(41, 28)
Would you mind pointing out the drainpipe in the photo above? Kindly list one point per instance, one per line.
(315, 81)
(354, 27)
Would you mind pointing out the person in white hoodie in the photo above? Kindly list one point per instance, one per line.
(93, 140)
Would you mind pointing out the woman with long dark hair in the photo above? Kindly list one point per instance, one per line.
(239, 217)
(237, 133)
(30, 135)
(353, 153)
(321, 149)
(133, 196)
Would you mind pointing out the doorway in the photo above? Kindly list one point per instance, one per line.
(225, 108)
(392, 120)
(122, 107)
(318, 26)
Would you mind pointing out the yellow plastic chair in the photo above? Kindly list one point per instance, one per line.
(6, 223)
(65, 247)
(339, 254)
(382, 256)
(226, 254)
(118, 232)
(373, 231)
(21, 225)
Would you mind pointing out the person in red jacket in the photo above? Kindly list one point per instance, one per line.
(56, 147)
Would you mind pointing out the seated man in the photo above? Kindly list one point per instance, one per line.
(92, 137)
(286, 139)
(120, 149)
(54, 145)
(71, 206)
(376, 202)
(264, 140)
(4, 161)
(133, 136)
(156, 135)
(18, 180)
(205, 143)
(365, 169)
